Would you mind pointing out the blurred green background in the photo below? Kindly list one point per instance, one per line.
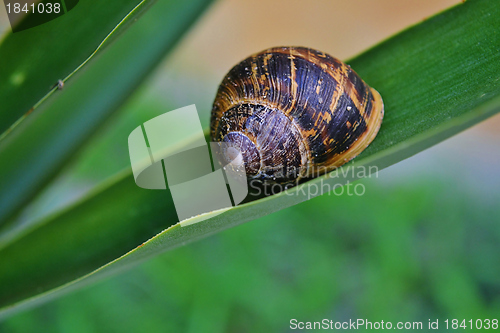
(421, 243)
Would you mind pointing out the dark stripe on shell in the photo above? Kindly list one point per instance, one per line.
(321, 96)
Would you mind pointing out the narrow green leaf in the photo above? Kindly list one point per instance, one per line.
(66, 119)
(436, 78)
(34, 60)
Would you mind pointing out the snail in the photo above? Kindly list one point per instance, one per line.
(294, 113)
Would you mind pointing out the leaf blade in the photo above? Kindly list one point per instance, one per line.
(57, 57)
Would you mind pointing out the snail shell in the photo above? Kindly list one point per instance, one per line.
(294, 113)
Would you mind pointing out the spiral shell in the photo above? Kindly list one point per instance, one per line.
(294, 113)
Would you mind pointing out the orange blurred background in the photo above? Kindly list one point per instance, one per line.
(231, 30)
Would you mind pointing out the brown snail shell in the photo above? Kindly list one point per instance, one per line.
(294, 113)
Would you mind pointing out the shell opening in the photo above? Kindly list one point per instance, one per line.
(238, 142)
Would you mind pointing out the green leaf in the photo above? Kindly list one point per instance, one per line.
(66, 119)
(436, 79)
(53, 50)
